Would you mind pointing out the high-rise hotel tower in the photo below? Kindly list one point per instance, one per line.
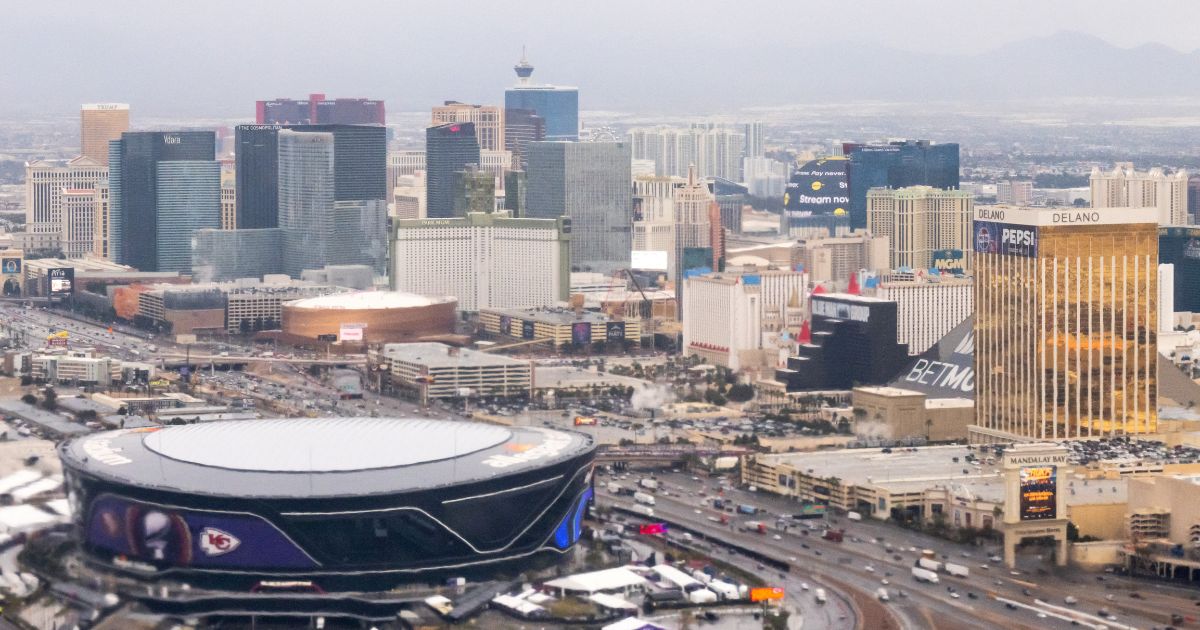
(1065, 323)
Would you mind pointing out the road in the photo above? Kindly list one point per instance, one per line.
(926, 606)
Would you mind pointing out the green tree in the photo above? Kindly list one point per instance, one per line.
(50, 399)
(29, 399)
(741, 392)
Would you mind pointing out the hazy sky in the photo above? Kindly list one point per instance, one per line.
(192, 58)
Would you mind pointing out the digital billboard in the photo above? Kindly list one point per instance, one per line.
(649, 260)
(810, 510)
(696, 260)
(614, 331)
(581, 333)
(10, 266)
(765, 594)
(1039, 493)
(651, 529)
(62, 280)
(820, 187)
(526, 329)
(506, 325)
(351, 332)
(163, 535)
(1005, 238)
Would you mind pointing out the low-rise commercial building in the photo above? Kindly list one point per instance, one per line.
(559, 327)
(75, 367)
(240, 306)
(436, 370)
(902, 413)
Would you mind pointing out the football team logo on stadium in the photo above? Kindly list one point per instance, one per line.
(214, 542)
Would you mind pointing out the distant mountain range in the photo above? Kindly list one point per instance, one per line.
(1062, 65)
(639, 76)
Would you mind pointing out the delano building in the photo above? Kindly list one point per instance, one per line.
(1065, 323)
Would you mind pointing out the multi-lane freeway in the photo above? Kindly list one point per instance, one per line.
(991, 597)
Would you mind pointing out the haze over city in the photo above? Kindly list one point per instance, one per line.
(616, 316)
(202, 59)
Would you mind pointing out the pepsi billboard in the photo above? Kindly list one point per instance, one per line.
(820, 187)
(1009, 239)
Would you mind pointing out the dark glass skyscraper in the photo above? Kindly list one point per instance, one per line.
(318, 110)
(360, 155)
(257, 176)
(322, 223)
(361, 168)
(896, 165)
(154, 203)
(449, 148)
(522, 126)
(590, 182)
(1180, 246)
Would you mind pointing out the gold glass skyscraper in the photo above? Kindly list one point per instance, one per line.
(1066, 314)
(99, 123)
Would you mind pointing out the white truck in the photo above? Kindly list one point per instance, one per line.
(932, 565)
(819, 594)
(644, 510)
(649, 484)
(854, 516)
(957, 570)
(643, 498)
(614, 488)
(882, 594)
(724, 589)
(924, 575)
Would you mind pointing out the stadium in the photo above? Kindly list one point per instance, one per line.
(343, 503)
(368, 317)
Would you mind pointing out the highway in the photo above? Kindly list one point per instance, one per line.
(926, 606)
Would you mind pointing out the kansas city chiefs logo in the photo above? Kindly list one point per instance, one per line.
(214, 542)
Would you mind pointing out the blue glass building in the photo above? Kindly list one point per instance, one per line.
(557, 105)
(896, 165)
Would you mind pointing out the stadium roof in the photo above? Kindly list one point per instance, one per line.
(369, 300)
(339, 444)
(318, 457)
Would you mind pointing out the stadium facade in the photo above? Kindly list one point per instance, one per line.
(343, 503)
